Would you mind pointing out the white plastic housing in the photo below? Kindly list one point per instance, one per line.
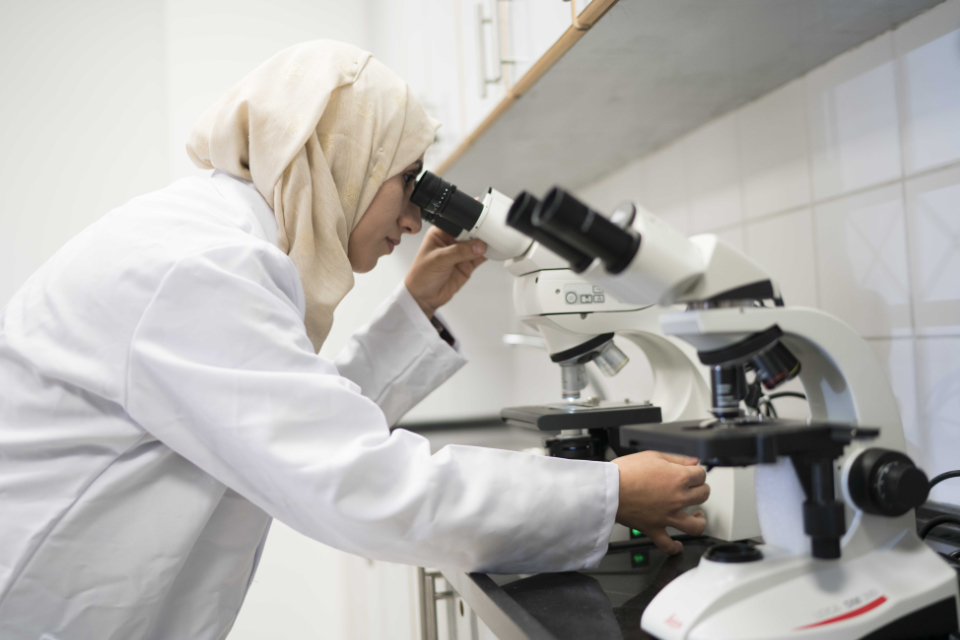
(666, 265)
(503, 242)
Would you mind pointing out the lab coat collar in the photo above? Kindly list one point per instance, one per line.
(245, 194)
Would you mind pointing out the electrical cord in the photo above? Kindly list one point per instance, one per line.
(944, 476)
(936, 522)
(787, 394)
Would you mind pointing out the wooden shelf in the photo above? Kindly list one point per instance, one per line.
(614, 89)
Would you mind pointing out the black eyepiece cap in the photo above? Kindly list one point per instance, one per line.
(520, 218)
(578, 225)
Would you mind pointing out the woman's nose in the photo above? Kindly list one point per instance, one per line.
(410, 219)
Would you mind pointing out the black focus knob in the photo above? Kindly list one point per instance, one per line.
(884, 482)
(901, 486)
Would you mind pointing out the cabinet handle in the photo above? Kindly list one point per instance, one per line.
(428, 603)
(495, 23)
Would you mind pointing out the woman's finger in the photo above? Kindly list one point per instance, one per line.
(696, 476)
(697, 495)
(664, 542)
(691, 524)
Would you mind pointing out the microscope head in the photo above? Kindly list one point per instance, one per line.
(496, 220)
(642, 260)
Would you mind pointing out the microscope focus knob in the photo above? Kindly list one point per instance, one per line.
(885, 482)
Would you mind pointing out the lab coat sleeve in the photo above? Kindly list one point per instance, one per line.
(221, 371)
(398, 358)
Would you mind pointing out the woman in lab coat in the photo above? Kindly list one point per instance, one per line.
(162, 396)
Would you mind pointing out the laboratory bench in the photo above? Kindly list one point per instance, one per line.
(602, 603)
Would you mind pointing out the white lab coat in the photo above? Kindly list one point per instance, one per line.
(160, 402)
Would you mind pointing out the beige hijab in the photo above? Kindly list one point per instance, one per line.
(317, 128)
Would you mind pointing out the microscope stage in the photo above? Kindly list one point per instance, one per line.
(743, 442)
(562, 416)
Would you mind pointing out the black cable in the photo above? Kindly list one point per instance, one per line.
(771, 410)
(955, 555)
(936, 522)
(944, 476)
(787, 394)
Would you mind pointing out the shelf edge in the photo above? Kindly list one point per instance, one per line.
(594, 11)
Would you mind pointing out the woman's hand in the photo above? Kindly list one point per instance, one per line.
(441, 267)
(654, 489)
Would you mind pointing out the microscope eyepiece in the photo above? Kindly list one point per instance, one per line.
(443, 205)
(519, 218)
(578, 225)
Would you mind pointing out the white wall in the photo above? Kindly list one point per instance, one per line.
(845, 184)
(211, 44)
(82, 121)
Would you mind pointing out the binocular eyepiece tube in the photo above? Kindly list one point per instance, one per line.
(560, 223)
(442, 205)
(591, 233)
(520, 217)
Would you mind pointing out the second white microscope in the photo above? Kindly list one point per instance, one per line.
(579, 321)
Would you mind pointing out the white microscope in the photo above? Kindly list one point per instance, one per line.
(841, 558)
(578, 321)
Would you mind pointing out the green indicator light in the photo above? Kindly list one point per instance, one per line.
(635, 533)
(638, 558)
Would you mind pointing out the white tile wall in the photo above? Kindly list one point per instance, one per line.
(862, 261)
(712, 168)
(898, 358)
(784, 246)
(928, 55)
(933, 204)
(854, 129)
(845, 184)
(773, 152)
(938, 375)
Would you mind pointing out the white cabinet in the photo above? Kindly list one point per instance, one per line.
(501, 40)
(461, 57)
(535, 26)
(482, 81)
(420, 41)
(380, 599)
(453, 619)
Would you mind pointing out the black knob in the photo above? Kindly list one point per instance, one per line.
(884, 482)
(901, 486)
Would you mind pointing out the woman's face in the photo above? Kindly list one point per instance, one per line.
(390, 215)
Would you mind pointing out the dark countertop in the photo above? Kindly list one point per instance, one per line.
(605, 603)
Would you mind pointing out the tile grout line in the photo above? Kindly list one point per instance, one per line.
(898, 88)
(813, 204)
(808, 144)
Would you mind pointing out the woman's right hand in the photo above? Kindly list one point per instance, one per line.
(654, 489)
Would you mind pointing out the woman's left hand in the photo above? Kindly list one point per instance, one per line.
(441, 267)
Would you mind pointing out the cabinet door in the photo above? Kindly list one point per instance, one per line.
(535, 26)
(440, 91)
(419, 40)
(482, 83)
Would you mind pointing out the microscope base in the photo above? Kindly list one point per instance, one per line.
(904, 591)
